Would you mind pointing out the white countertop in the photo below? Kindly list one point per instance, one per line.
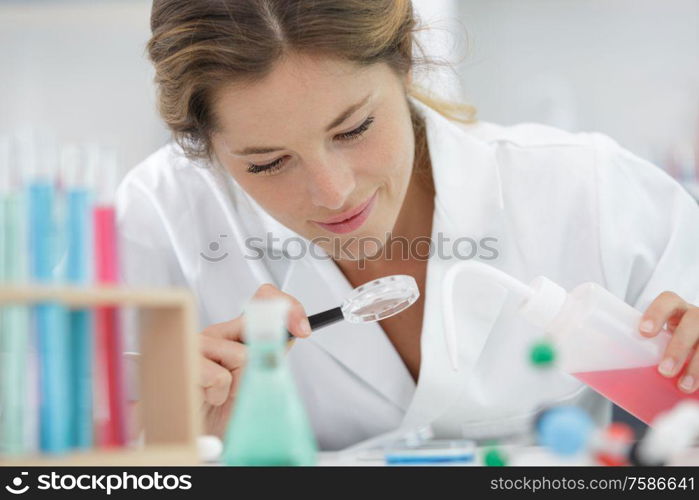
(518, 456)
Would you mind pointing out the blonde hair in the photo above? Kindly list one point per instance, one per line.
(199, 45)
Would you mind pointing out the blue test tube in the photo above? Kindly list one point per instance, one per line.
(50, 318)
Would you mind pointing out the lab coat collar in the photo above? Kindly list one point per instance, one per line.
(468, 204)
(465, 173)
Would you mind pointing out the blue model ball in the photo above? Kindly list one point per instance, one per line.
(565, 430)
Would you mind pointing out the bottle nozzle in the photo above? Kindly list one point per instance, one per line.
(544, 304)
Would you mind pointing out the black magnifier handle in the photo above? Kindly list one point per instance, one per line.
(325, 318)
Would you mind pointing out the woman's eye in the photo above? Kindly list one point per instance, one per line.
(353, 134)
(272, 167)
(267, 168)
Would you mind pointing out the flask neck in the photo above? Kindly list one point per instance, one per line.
(266, 355)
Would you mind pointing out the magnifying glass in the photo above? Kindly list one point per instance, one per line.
(372, 301)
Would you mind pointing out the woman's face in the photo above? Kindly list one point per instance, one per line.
(326, 147)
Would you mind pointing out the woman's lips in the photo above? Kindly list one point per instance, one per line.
(350, 220)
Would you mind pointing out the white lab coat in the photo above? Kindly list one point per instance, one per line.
(572, 207)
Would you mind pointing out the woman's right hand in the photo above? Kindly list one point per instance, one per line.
(223, 357)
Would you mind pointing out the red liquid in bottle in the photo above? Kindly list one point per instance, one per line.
(643, 392)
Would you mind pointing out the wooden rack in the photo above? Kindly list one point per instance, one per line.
(168, 369)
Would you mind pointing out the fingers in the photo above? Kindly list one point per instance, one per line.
(690, 381)
(682, 319)
(682, 346)
(666, 306)
(215, 381)
(222, 360)
(297, 323)
(222, 364)
(230, 330)
(230, 355)
(223, 354)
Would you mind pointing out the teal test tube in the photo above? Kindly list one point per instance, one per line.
(79, 203)
(14, 318)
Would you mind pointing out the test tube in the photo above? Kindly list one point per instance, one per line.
(15, 427)
(111, 422)
(51, 320)
(78, 272)
(14, 318)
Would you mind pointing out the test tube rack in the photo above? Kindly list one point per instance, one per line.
(169, 399)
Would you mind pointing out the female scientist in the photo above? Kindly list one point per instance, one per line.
(306, 163)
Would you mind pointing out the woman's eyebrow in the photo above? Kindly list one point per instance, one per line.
(256, 150)
(346, 113)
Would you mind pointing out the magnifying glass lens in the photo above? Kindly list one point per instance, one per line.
(380, 299)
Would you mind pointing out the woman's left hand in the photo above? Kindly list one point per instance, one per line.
(682, 320)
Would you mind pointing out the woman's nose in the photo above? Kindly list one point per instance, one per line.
(330, 185)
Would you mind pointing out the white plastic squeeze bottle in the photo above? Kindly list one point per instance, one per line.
(596, 336)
